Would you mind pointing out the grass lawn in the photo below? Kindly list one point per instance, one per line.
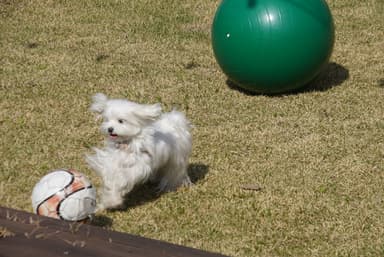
(317, 155)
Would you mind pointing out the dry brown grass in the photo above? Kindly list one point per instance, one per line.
(317, 155)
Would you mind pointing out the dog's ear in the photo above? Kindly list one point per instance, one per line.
(99, 103)
(148, 112)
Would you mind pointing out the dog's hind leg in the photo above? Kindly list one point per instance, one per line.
(174, 178)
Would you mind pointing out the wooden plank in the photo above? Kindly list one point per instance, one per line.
(31, 235)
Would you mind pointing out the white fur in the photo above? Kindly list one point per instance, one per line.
(142, 144)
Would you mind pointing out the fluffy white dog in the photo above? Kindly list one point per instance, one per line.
(142, 144)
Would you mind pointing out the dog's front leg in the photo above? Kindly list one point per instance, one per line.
(111, 198)
(124, 178)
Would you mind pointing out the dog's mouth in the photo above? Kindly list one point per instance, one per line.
(112, 135)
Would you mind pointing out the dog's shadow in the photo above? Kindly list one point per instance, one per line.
(148, 192)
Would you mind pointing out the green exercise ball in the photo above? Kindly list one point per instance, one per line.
(272, 46)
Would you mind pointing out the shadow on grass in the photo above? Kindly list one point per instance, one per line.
(149, 193)
(197, 171)
(380, 82)
(333, 75)
(101, 221)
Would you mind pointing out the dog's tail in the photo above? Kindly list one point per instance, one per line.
(176, 123)
(177, 120)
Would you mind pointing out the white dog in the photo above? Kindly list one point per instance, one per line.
(143, 144)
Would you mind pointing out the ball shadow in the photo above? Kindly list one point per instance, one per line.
(331, 76)
(101, 221)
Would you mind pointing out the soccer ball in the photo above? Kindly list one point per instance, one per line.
(64, 194)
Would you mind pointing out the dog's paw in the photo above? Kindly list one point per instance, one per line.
(111, 206)
(100, 207)
(186, 182)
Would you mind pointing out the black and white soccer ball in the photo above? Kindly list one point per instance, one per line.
(64, 194)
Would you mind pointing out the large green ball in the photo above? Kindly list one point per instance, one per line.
(272, 46)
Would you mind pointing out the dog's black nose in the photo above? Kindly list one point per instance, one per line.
(110, 130)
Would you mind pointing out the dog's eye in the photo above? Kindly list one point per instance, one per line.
(120, 121)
